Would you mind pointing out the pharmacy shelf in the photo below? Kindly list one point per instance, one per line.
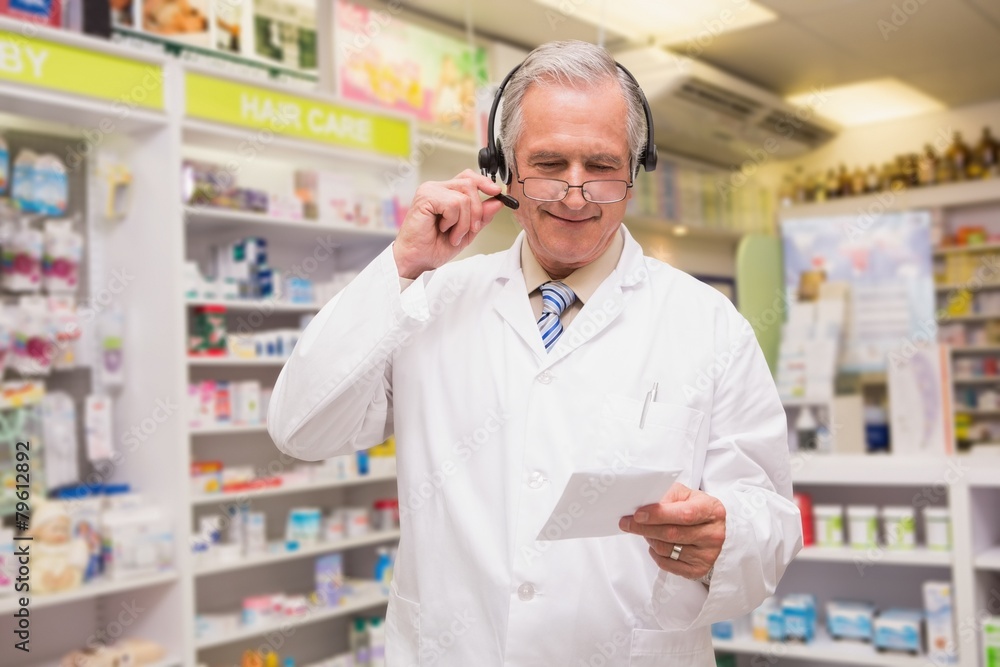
(262, 305)
(880, 556)
(227, 429)
(212, 498)
(980, 247)
(341, 232)
(989, 560)
(972, 287)
(978, 317)
(169, 661)
(983, 471)
(975, 349)
(971, 379)
(377, 537)
(866, 470)
(949, 195)
(346, 609)
(234, 361)
(91, 591)
(693, 230)
(977, 412)
(822, 649)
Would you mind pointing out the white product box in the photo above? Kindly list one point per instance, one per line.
(940, 615)
(920, 401)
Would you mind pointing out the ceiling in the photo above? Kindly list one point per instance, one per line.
(948, 49)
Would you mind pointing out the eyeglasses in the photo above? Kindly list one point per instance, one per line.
(553, 189)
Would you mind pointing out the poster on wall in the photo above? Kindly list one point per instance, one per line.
(885, 262)
(410, 69)
(285, 33)
(186, 21)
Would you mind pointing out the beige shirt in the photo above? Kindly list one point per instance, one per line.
(584, 281)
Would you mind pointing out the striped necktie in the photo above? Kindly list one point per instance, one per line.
(556, 297)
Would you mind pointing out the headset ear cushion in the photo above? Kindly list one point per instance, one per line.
(649, 163)
(486, 165)
(502, 172)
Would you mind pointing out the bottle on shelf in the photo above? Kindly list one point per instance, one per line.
(799, 181)
(957, 156)
(872, 179)
(927, 166)
(897, 174)
(806, 430)
(832, 184)
(844, 183)
(817, 189)
(984, 158)
(910, 170)
(858, 182)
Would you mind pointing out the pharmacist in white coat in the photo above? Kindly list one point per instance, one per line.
(497, 390)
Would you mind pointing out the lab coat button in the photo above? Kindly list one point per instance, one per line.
(536, 480)
(545, 377)
(525, 592)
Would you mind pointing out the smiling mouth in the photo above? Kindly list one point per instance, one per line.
(570, 220)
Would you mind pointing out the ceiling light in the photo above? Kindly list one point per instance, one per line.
(680, 230)
(867, 102)
(665, 22)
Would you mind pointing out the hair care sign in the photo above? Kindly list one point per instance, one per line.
(381, 59)
(68, 69)
(232, 103)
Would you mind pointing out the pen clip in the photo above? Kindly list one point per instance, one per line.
(650, 397)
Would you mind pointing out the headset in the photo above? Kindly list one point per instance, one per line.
(491, 160)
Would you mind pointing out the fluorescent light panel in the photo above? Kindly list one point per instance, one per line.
(868, 102)
(665, 21)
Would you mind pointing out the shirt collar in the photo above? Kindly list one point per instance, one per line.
(585, 280)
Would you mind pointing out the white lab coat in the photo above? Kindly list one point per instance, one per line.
(489, 427)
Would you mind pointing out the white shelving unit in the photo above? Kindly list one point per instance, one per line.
(377, 537)
(257, 304)
(822, 649)
(916, 557)
(91, 590)
(966, 484)
(349, 607)
(288, 489)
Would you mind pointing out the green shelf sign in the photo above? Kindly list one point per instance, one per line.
(223, 101)
(70, 69)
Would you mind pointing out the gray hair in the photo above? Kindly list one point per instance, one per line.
(569, 63)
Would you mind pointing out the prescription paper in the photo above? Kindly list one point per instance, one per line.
(595, 500)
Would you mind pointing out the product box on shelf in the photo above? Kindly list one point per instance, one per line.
(799, 612)
(330, 579)
(940, 614)
(899, 630)
(136, 542)
(991, 642)
(850, 620)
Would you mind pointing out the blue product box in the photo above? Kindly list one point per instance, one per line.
(899, 630)
(799, 612)
(776, 625)
(723, 630)
(850, 620)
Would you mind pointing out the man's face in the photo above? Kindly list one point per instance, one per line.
(574, 135)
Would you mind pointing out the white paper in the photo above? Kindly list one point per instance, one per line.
(595, 500)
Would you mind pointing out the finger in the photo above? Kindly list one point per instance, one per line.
(485, 184)
(678, 567)
(700, 508)
(490, 208)
(461, 228)
(704, 533)
(469, 189)
(450, 211)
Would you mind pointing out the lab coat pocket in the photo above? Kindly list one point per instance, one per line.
(655, 648)
(664, 441)
(402, 632)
